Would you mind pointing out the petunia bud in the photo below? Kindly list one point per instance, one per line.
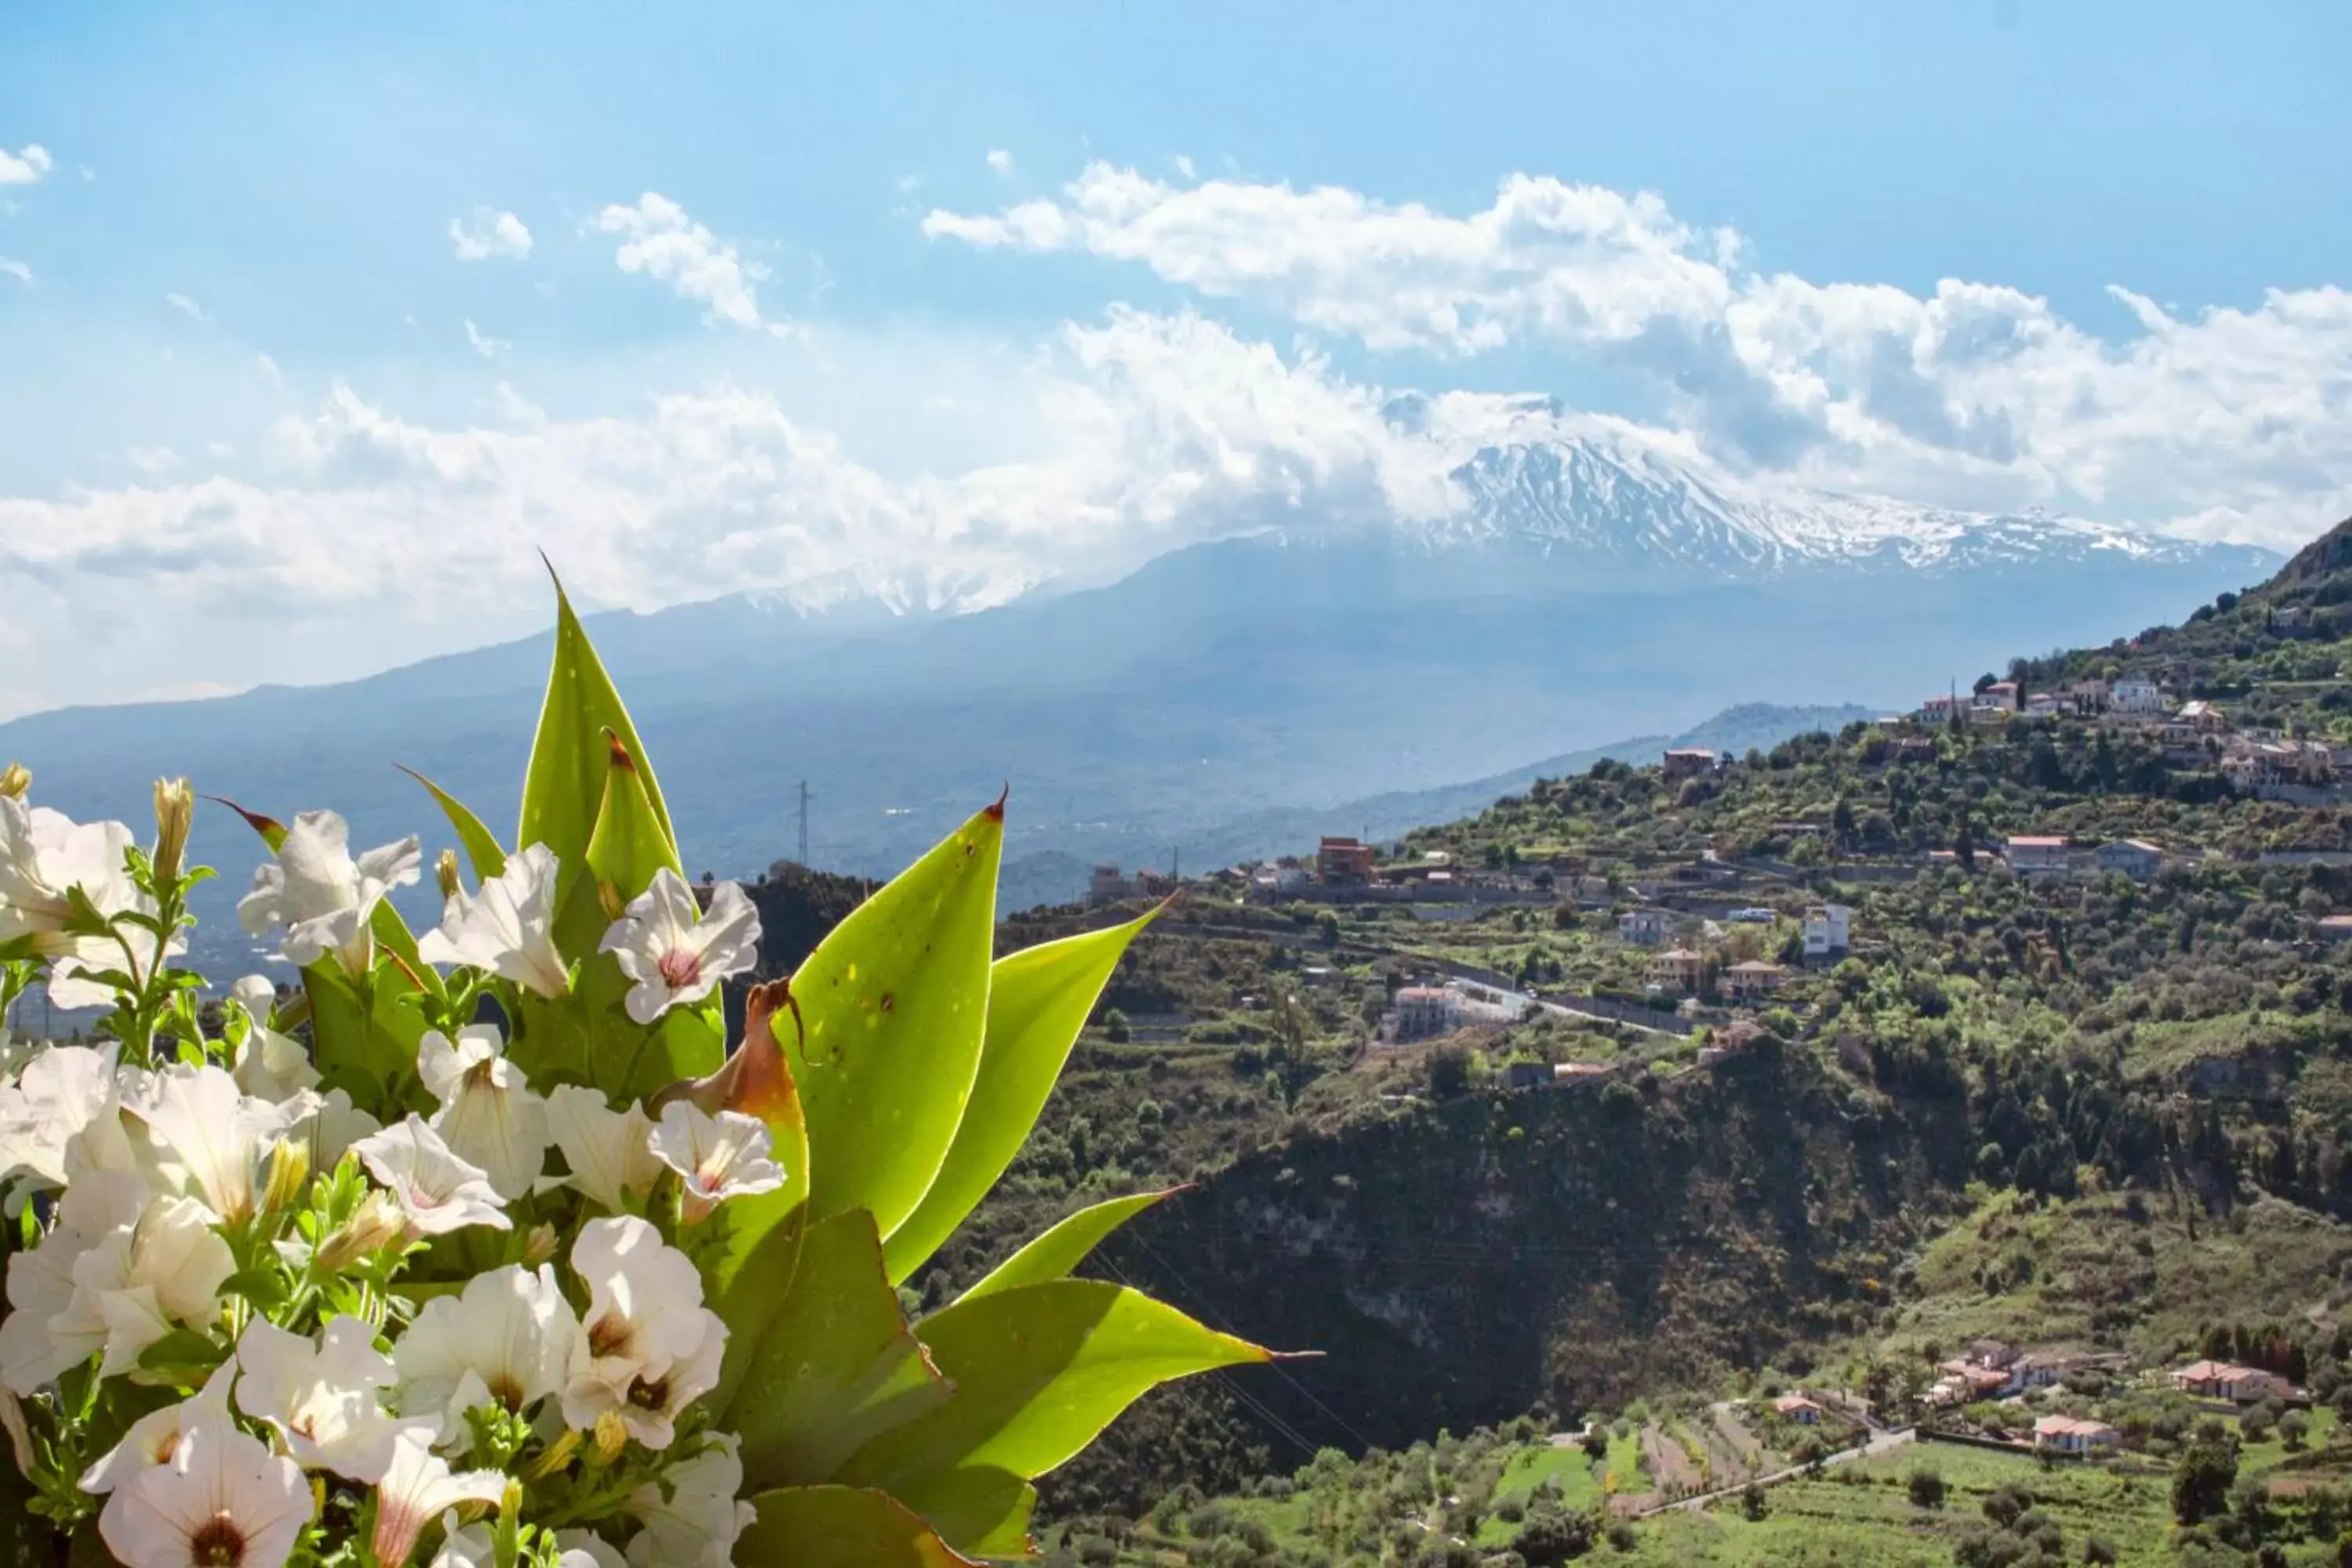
(175, 805)
(15, 780)
(289, 1168)
(444, 871)
(377, 1225)
(539, 1246)
(612, 1436)
(558, 1454)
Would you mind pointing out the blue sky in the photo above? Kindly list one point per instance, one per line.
(1011, 293)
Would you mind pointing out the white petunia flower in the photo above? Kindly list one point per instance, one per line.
(322, 897)
(506, 1341)
(335, 1126)
(486, 1114)
(211, 1138)
(715, 1157)
(437, 1191)
(586, 1549)
(269, 1066)
(508, 928)
(139, 1281)
(696, 1523)
(154, 1438)
(609, 1151)
(62, 1090)
(646, 1346)
(44, 857)
(673, 953)
(417, 1488)
(322, 1396)
(41, 1282)
(223, 1498)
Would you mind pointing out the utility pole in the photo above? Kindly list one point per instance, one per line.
(804, 803)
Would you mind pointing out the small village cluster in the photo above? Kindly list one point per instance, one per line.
(2195, 733)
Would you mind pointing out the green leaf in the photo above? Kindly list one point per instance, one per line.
(363, 1042)
(978, 1510)
(895, 1002)
(631, 841)
(840, 1527)
(1038, 1000)
(819, 1359)
(1038, 1371)
(481, 844)
(272, 831)
(1064, 1246)
(565, 784)
(181, 1347)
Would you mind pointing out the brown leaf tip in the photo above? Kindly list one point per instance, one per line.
(620, 753)
(996, 812)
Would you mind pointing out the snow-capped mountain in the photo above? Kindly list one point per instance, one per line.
(1635, 506)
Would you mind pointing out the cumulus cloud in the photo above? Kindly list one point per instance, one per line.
(487, 234)
(187, 307)
(2228, 422)
(1150, 432)
(659, 240)
(17, 269)
(1000, 160)
(27, 167)
(485, 345)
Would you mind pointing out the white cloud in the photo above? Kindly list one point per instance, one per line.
(153, 461)
(1000, 160)
(661, 242)
(187, 307)
(26, 167)
(1184, 167)
(2229, 422)
(486, 233)
(17, 269)
(488, 347)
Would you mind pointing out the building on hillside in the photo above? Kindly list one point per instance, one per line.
(2068, 1435)
(2087, 697)
(1343, 863)
(1796, 1407)
(1943, 710)
(1107, 886)
(1915, 749)
(2203, 716)
(1527, 1075)
(2042, 1369)
(1645, 928)
(2227, 1380)
(2136, 694)
(2333, 928)
(1425, 1012)
(2033, 857)
(2000, 694)
(1678, 969)
(1274, 880)
(2134, 857)
(1751, 980)
(1829, 933)
(1687, 763)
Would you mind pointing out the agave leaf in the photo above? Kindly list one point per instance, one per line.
(893, 1003)
(565, 785)
(1038, 1000)
(840, 1526)
(819, 1359)
(977, 1509)
(481, 844)
(1062, 1248)
(1038, 1371)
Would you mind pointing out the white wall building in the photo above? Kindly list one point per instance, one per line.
(1828, 930)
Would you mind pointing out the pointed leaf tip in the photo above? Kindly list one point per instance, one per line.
(618, 752)
(996, 812)
(272, 831)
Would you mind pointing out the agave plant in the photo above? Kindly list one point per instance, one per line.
(805, 1175)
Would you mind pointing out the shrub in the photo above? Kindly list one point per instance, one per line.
(1926, 1487)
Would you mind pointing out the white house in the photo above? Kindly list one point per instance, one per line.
(1828, 930)
(1425, 1012)
(2068, 1436)
(2030, 856)
(1643, 928)
(2134, 857)
(2136, 694)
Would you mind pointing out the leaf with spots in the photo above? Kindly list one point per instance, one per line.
(894, 1003)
